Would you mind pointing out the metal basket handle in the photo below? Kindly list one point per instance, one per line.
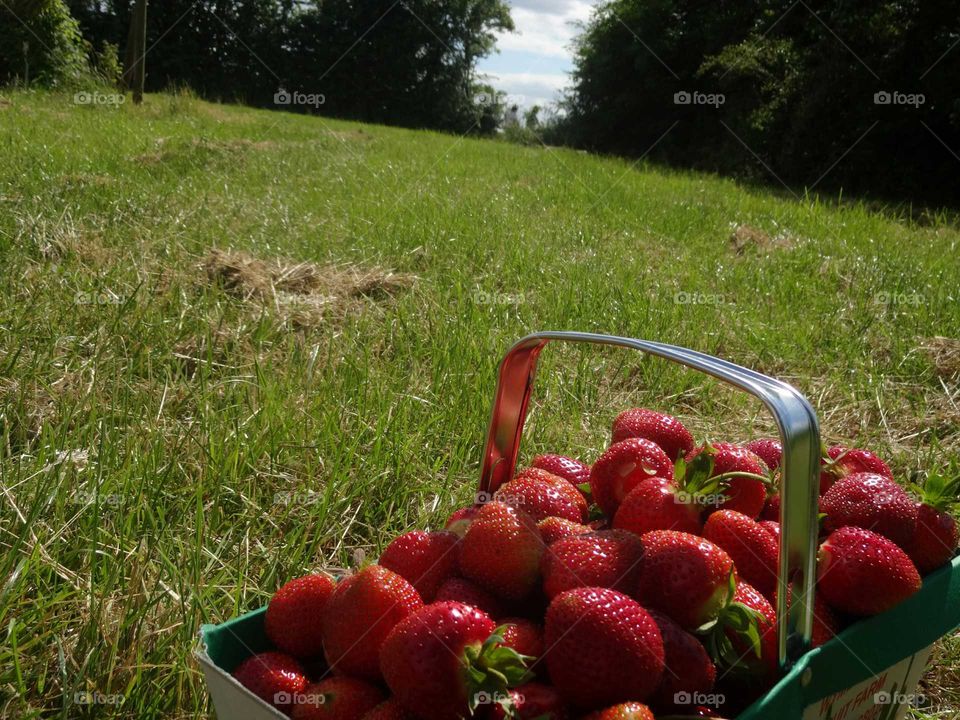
(800, 466)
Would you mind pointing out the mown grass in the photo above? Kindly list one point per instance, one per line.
(174, 445)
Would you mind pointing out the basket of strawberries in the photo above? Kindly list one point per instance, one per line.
(668, 579)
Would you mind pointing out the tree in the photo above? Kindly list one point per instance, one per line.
(40, 42)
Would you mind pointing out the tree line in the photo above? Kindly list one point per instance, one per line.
(824, 94)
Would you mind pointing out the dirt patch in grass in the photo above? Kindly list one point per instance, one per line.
(26, 408)
(744, 238)
(303, 292)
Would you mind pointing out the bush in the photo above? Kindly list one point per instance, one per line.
(41, 43)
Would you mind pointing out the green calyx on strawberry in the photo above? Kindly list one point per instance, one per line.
(494, 668)
(446, 658)
(735, 638)
(935, 535)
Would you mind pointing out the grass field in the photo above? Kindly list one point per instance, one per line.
(237, 345)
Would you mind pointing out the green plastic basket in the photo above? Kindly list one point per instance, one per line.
(869, 671)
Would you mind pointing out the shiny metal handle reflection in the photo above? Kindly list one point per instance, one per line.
(800, 467)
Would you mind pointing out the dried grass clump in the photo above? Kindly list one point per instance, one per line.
(944, 353)
(303, 292)
(747, 237)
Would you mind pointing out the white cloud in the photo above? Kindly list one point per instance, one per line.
(528, 89)
(542, 32)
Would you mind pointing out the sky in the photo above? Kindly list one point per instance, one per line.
(533, 62)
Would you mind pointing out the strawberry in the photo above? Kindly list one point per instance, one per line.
(524, 636)
(607, 558)
(469, 593)
(602, 648)
(554, 528)
(624, 465)
(337, 698)
(622, 711)
(360, 613)
(840, 462)
(459, 520)
(687, 666)
(767, 449)
(862, 573)
(542, 495)
(423, 559)
(388, 710)
(273, 677)
(293, 621)
(533, 701)
(573, 471)
(745, 473)
(771, 509)
(934, 539)
(657, 504)
(754, 550)
(444, 659)
(660, 428)
(772, 527)
(873, 502)
(684, 576)
(501, 551)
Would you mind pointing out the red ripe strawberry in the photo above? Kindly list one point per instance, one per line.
(607, 558)
(687, 666)
(754, 550)
(934, 539)
(337, 698)
(459, 520)
(862, 573)
(532, 701)
(602, 648)
(573, 471)
(684, 576)
(423, 559)
(441, 658)
(873, 502)
(469, 593)
(744, 494)
(554, 528)
(622, 467)
(501, 551)
(660, 428)
(826, 624)
(524, 636)
(623, 711)
(767, 449)
(359, 615)
(657, 504)
(772, 527)
(294, 616)
(841, 461)
(766, 664)
(542, 495)
(771, 510)
(273, 677)
(388, 710)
